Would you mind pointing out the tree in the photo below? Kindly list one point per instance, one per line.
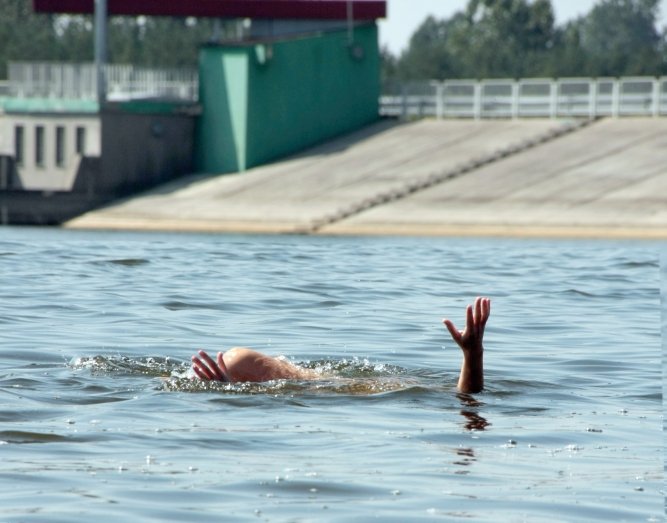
(491, 38)
(149, 41)
(519, 38)
(620, 37)
(505, 37)
(23, 35)
(74, 37)
(388, 70)
(428, 55)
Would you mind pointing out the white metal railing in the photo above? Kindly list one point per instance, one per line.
(127, 81)
(503, 98)
(529, 97)
(79, 82)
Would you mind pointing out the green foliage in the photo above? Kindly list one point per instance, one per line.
(519, 38)
(23, 34)
(620, 35)
(488, 39)
(150, 41)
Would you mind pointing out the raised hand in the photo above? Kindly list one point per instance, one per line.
(470, 339)
(208, 370)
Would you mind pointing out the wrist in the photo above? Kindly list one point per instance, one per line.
(473, 352)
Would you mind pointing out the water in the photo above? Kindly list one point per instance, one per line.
(99, 420)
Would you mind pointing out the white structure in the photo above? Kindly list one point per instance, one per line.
(47, 150)
(50, 115)
(79, 82)
(531, 97)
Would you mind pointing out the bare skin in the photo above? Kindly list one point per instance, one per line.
(471, 378)
(241, 364)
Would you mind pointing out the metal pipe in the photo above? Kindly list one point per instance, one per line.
(350, 22)
(101, 48)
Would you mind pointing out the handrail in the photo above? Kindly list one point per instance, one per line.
(528, 97)
(488, 98)
(79, 81)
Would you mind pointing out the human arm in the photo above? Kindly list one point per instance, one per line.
(470, 339)
(240, 364)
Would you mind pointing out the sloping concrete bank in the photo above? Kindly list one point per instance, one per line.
(502, 177)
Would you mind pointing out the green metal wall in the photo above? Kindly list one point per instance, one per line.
(263, 101)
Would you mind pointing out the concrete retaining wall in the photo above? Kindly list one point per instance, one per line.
(509, 177)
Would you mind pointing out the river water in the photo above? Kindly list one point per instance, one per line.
(101, 421)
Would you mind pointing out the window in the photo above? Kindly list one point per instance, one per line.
(19, 144)
(60, 146)
(39, 146)
(81, 141)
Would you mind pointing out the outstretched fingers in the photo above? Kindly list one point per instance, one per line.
(486, 310)
(482, 312)
(206, 369)
(477, 315)
(453, 331)
(471, 315)
(200, 373)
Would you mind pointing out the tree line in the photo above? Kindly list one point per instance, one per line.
(146, 41)
(520, 39)
(487, 39)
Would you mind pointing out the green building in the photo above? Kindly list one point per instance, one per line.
(268, 98)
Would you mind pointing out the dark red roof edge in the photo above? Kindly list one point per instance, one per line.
(279, 9)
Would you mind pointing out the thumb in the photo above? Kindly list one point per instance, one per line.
(453, 331)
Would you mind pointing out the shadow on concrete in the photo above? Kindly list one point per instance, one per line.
(333, 146)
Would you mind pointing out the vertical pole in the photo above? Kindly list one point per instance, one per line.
(101, 48)
(615, 98)
(404, 102)
(4, 172)
(656, 97)
(553, 102)
(515, 99)
(350, 23)
(592, 98)
(477, 101)
(439, 106)
(217, 31)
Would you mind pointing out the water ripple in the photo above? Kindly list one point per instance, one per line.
(126, 262)
(16, 436)
(101, 417)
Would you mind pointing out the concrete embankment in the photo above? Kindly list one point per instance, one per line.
(520, 178)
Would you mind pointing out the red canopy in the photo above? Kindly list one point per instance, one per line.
(277, 9)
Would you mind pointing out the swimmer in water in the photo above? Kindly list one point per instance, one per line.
(242, 364)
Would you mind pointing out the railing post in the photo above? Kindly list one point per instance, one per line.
(477, 101)
(553, 99)
(592, 98)
(656, 97)
(439, 105)
(615, 98)
(515, 100)
(404, 102)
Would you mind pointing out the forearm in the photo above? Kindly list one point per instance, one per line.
(471, 378)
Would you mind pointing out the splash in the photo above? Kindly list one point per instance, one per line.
(123, 365)
(355, 376)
